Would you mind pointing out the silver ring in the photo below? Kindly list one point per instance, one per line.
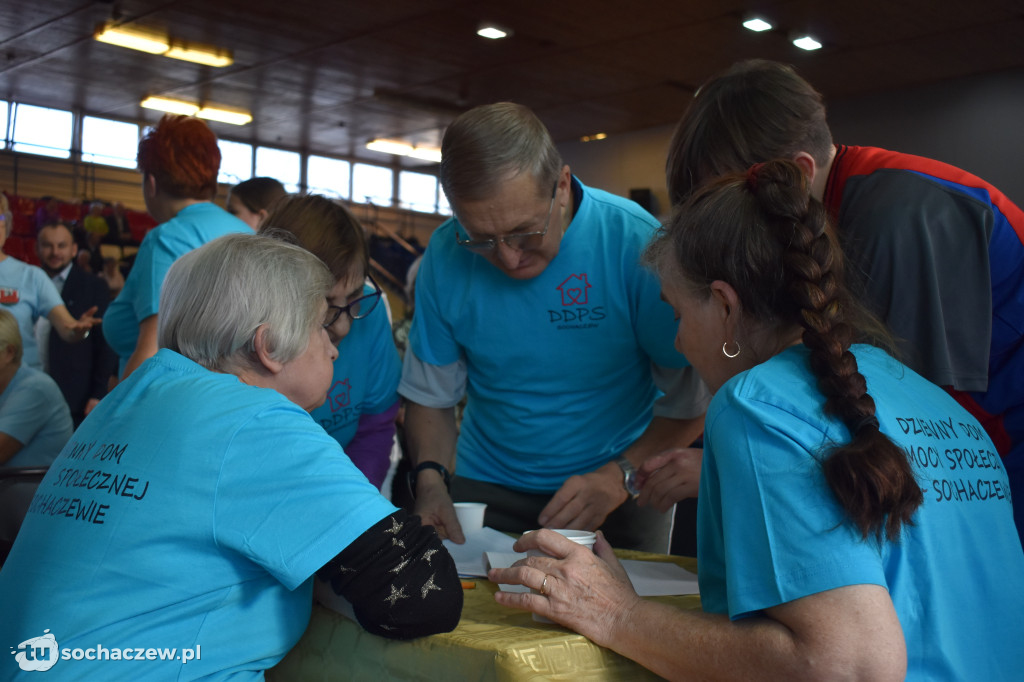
(544, 587)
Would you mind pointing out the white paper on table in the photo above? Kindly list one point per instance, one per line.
(649, 578)
(469, 557)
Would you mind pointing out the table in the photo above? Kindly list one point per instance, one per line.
(491, 642)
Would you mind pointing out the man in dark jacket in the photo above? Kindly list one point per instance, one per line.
(82, 370)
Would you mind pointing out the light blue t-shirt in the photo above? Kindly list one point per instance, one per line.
(33, 411)
(188, 510)
(365, 381)
(192, 227)
(770, 531)
(28, 293)
(559, 366)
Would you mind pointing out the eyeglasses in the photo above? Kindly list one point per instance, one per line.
(357, 309)
(519, 241)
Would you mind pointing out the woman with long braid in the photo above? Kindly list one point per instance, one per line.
(854, 521)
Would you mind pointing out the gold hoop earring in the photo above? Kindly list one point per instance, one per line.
(727, 353)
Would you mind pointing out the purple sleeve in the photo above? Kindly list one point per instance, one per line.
(370, 448)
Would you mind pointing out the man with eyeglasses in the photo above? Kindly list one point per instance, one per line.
(532, 302)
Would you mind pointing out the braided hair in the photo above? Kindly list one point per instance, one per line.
(762, 233)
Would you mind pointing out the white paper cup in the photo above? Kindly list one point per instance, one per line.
(470, 515)
(587, 538)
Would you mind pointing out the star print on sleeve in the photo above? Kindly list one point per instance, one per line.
(396, 595)
(428, 556)
(428, 587)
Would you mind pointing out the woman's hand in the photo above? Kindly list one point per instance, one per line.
(669, 477)
(70, 329)
(586, 591)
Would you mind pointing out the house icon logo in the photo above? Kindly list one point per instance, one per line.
(574, 290)
(340, 395)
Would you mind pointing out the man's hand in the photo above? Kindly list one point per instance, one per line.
(90, 405)
(434, 507)
(584, 502)
(669, 477)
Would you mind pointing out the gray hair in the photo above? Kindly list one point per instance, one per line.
(491, 143)
(215, 298)
(10, 335)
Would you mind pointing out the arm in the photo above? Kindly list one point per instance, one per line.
(9, 447)
(145, 347)
(70, 329)
(586, 501)
(373, 441)
(400, 579)
(430, 434)
(849, 632)
(104, 360)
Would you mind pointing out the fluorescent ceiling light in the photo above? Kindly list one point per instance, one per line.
(177, 106)
(144, 40)
(426, 154)
(807, 43)
(173, 106)
(236, 118)
(756, 24)
(390, 147)
(400, 148)
(157, 42)
(591, 138)
(211, 56)
(492, 31)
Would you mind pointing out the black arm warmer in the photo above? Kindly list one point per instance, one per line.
(400, 579)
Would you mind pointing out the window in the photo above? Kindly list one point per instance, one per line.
(112, 143)
(38, 130)
(235, 162)
(280, 165)
(417, 191)
(443, 207)
(3, 125)
(372, 184)
(329, 177)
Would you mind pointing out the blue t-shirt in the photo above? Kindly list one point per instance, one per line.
(27, 293)
(192, 227)
(33, 411)
(366, 377)
(770, 530)
(559, 366)
(189, 509)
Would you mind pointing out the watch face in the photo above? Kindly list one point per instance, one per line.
(631, 484)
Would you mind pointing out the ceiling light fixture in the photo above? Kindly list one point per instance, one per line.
(155, 41)
(199, 54)
(177, 106)
(591, 138)
(807, 43)
(235, 118)
(173, 106)
(400, 148)
(757, 24)
(144, 40)
(493, 31)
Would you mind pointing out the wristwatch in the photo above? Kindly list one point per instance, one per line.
(628, 477)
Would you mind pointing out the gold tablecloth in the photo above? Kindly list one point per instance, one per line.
(491, 642)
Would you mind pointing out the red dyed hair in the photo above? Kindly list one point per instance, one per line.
(181, 152)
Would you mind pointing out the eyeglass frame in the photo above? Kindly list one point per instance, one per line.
(376, 295)
(490, 245)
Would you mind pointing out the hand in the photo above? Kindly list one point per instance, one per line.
(584, 502)
(91, 405)
(669, 477)
(85, 322)
(434, 507)
(586, 591)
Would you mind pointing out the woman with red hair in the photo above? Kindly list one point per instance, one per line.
(179, 160)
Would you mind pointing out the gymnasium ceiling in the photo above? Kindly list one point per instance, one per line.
(328, 75)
